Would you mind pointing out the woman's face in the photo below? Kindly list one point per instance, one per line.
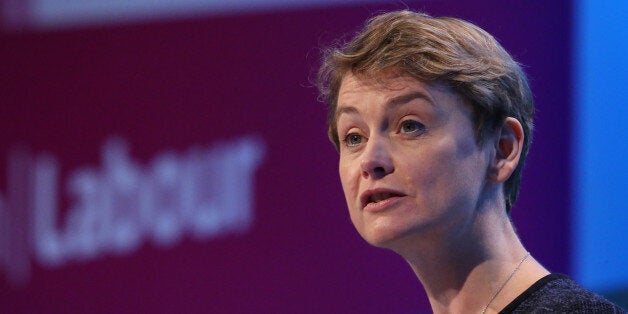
(409, 162)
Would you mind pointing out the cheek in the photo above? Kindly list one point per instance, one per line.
(434, 173)
(448, 175)
(348, 179)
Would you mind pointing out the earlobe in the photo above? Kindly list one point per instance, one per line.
(508, 147)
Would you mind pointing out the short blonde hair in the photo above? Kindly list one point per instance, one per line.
(437, 49)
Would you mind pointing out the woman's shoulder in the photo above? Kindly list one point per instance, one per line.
(559, 293)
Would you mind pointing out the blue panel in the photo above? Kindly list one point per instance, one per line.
(600, 250)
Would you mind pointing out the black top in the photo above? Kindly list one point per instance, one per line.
(559, 293)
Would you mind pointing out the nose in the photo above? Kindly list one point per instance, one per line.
(376, 160)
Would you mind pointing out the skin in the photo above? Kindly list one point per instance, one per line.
(417, 182)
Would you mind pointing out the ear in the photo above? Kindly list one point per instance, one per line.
(508, 147)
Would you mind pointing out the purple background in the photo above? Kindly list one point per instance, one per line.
(172, 85)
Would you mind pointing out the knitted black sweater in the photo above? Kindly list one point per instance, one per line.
(557, 293)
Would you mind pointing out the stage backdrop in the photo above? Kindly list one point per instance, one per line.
(182, 165)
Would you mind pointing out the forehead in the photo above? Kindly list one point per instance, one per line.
(394, 87)
(386, 91)
(386, 83)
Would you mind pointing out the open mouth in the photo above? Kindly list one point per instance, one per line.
(376, 197)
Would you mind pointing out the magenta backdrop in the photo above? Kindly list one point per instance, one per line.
(173, 85)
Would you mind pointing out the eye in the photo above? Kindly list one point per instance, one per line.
(353, 139)
(411, 126)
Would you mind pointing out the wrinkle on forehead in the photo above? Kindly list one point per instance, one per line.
(386, 82)
(391, 80)
(396, 88)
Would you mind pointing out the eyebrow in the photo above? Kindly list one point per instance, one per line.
(406, 98)
(391, 103)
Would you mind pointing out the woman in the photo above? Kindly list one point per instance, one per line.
(433, 120)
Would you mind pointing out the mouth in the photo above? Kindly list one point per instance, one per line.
(377, 196)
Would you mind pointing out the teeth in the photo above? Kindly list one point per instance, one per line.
(380, 197)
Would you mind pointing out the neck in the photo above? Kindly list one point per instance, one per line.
(461, 272)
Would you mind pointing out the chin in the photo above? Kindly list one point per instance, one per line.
(387, 238)
(398, 237)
